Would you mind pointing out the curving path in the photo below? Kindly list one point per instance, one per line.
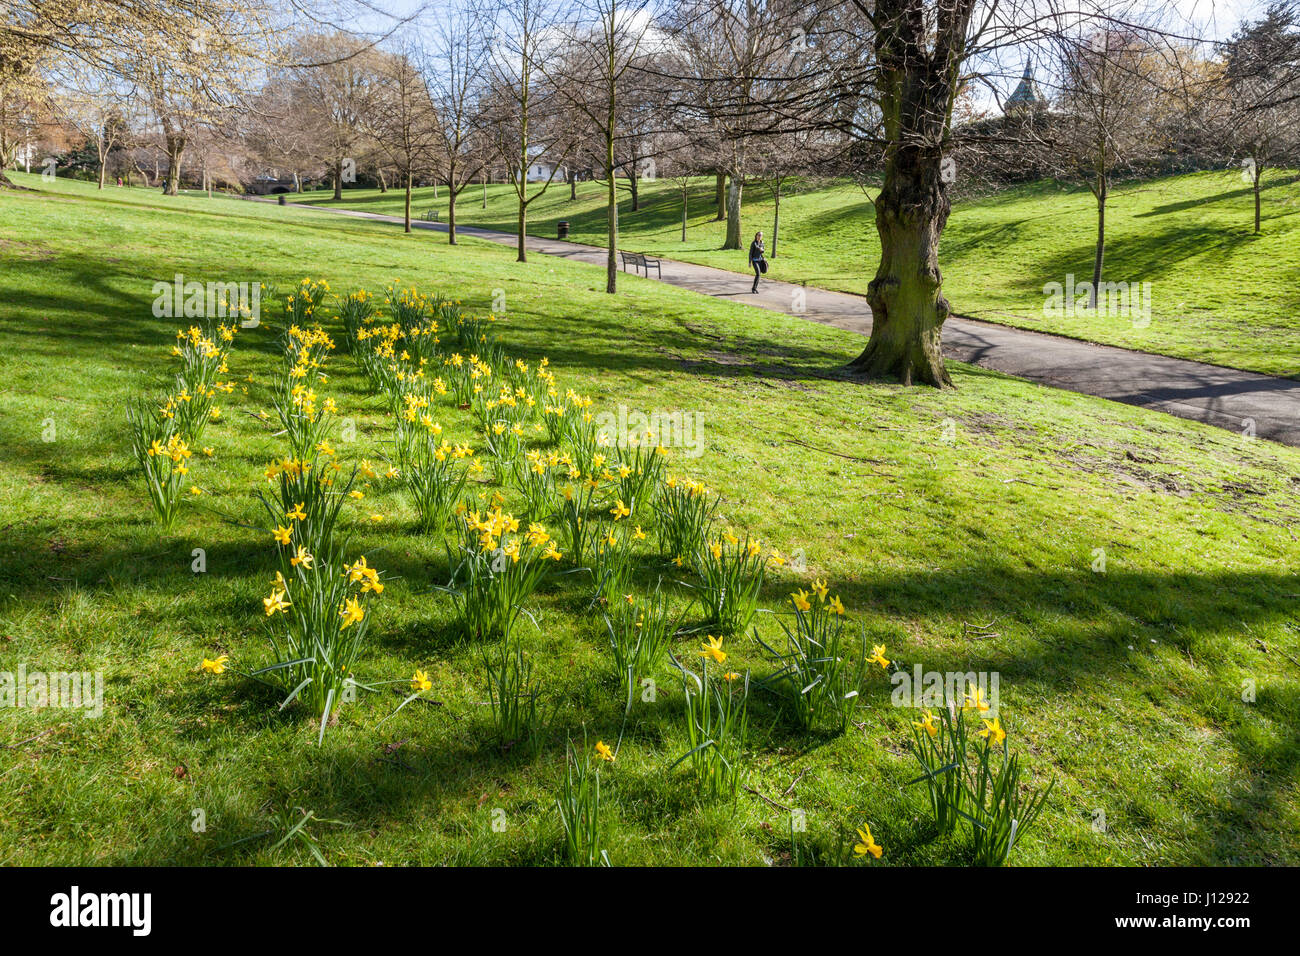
(1224, 397)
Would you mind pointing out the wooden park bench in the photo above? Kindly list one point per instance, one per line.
(640, 261)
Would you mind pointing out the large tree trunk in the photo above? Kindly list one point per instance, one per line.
(916, 94)
(907, 304)
(685, 199)
(175, 156)
(451, 216)
(383, 183)
(734, 188)
(573, 185)
(635, 185)
(338, 177)
(720, 194)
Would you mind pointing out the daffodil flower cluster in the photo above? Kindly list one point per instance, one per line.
(818, 674)
(498, 567)
(317, 609)
(731, 572)
(975, 777)
(684, 510)
(436, 472)
(162, 433)
(301, 304)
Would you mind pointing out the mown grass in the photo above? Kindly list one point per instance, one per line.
(1219, 293)
(1124, 685)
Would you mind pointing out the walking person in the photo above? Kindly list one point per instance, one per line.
(756, 259)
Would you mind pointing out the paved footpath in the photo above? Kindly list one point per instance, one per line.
(1218, 396)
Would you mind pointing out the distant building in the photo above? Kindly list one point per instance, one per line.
(1026, 97)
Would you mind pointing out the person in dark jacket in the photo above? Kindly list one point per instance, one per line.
(756, 258)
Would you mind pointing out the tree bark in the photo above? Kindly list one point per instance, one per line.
(685, 199)
(734, 188)
(1259, 173)
(907, 304)
(383, 183)
(635, 185)
(175, 156)
(338, 178)
(776, 216)
(1099, 257)
(407, 207)
(720, 194)
(573, 185)
(611, 217)
(519, 237)
(451, 216)
(916, 94)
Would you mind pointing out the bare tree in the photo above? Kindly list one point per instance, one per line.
(456, 80)
(1262, 73)
(734, 62)
(527, 129)
(97, 107)
(403, 120)
(603, 45)
(1103, 116)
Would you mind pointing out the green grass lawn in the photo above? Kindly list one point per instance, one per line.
(1218, 293)
(959, 527)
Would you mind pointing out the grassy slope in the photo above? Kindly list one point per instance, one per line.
(1125, 685)
(1219, 293)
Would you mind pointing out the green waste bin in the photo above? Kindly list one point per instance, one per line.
(564, 229)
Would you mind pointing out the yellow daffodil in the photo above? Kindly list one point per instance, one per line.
(713, 649)
(351, 612)
(878, 656)
(421, 682)
(217, 666)
(993, 732)
(926, 723)
(867, 844)
(975, 699)
(275, 602)
(800, 599)
(603, 751)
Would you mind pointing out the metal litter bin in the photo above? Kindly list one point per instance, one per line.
(563, 229)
